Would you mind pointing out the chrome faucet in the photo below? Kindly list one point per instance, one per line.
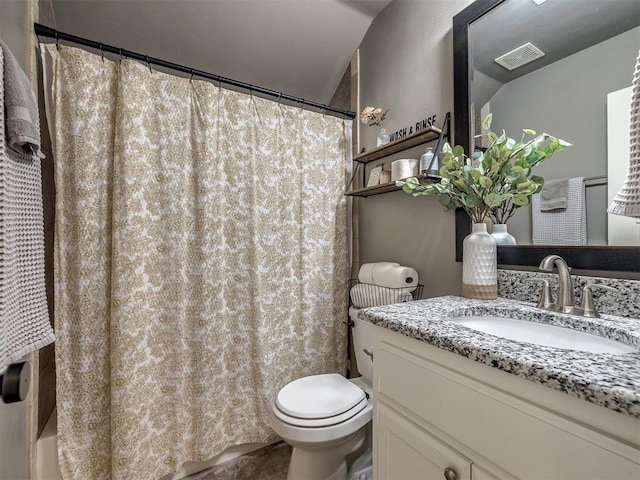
(566, 302)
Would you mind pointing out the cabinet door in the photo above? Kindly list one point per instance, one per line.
(407, 452)
(478, 473)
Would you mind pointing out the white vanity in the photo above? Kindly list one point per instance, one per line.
(454, 403)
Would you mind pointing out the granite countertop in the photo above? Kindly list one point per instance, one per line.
(609, 380)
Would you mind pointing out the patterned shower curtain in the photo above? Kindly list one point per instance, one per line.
(200, 263)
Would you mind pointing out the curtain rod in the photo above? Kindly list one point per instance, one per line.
(44, 31)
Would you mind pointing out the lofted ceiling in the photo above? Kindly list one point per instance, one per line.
(299, 47)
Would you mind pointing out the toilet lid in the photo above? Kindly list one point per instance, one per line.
(321, 422)
(319, 396)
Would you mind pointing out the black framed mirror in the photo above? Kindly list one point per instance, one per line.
(590, 257)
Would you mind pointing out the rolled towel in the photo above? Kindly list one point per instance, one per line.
(394, 276)
(365, 295)
(365, 275)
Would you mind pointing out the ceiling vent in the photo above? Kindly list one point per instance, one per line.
(520, 56)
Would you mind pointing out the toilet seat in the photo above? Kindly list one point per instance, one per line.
(321, 422)
(298, 435)
(319, 400)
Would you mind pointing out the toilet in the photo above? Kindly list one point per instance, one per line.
(326, 417)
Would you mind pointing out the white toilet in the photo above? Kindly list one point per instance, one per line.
(325, 417)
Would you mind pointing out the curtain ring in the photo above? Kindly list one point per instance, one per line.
(57, 41)
(219, 82)
(279, 97)
(302, 104)
(146, 57)
(120, 51)
(191, 77)
(102, 52)
(324, 110)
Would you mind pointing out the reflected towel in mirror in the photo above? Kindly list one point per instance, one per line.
(561, 227)
(553, 195)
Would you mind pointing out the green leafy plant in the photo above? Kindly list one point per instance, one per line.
(492, 183)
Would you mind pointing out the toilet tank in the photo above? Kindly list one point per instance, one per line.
(362, 338)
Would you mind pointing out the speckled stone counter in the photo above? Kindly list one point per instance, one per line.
(625, 302)
(609, 380)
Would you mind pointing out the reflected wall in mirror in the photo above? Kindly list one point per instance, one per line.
(589, 51)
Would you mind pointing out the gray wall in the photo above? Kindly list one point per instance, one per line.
(568, 99)
(14, 29)
(406, 65)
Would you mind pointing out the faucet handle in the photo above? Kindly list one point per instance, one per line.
(546, 298)
(586, 302)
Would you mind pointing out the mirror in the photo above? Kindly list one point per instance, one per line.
(590, 48)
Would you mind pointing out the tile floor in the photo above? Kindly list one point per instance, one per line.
(269, 463)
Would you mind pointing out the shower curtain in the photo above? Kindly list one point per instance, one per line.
(200, 263)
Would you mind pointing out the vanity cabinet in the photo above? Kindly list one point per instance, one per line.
(408, 451)
(438, 415)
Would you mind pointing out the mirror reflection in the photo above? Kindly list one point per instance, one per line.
(564, 67)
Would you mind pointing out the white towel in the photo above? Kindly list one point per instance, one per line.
(364, 295)
(24, 319)
(561, 227)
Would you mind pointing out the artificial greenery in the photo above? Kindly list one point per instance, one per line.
(493, 183)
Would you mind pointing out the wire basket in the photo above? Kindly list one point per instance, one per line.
(364, 295)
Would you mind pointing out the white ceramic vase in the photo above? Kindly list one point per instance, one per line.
(501, 235)
(479, 264)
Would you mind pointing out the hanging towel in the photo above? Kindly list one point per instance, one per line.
(24, 319)
(22, 130)
(554, 195)
(561, 227)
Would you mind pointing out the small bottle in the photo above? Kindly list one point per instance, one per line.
(429, 162)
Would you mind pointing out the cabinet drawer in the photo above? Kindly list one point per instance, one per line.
(406, 452)
(524, 440)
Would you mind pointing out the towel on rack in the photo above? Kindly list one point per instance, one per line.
(561, 227)
(24, 319)
(553, 195)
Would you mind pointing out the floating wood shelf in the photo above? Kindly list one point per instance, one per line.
(418, 138)
(423, 136)
(385, 187)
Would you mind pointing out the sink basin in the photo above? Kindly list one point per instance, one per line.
(542, 334)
